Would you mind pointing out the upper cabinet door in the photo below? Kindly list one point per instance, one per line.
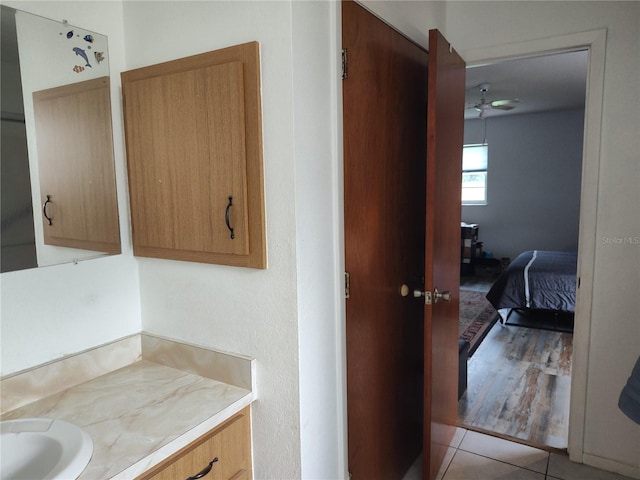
(194, 152)
(75, 161)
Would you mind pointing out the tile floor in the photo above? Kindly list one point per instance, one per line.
(475, 456)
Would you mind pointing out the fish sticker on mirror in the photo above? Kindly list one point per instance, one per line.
(88, 38)
(99, 56)
(78, 69)
(70, 34)
(80, 52)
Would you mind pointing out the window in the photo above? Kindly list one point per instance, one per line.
(474, 174)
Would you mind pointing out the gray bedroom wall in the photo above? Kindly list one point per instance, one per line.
(533, 196)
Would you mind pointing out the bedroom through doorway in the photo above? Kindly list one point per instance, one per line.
(518, 381)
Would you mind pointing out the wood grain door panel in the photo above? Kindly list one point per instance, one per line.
(75, 164)
(445, 128)
(194, 154)
(172, 173)
(227, 141)
(230, 444)
(384, 166)
(190, 126)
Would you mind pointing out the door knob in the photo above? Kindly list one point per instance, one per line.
(430, 297)
(446, 295)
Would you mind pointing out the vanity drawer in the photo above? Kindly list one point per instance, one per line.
(230, 444)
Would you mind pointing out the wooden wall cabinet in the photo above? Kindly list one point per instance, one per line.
(193, 131)
(75, 163)
(230, 443)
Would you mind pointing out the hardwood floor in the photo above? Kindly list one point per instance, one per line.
(519, 385)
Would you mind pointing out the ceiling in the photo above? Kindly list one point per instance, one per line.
(544, 83)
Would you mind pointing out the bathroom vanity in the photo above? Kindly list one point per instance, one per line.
(224, 453)
(154, 408)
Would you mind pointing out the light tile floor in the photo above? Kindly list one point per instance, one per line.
(475, 456)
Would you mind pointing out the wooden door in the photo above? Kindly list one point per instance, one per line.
(75, 163)
(384, 103)
(445, 128)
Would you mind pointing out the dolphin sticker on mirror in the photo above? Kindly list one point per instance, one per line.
(80, 52)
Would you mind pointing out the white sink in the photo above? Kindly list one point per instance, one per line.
(43, 448)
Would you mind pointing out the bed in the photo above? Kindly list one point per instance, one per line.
(536, 280)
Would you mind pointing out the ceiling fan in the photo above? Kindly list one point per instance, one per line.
(483, 106)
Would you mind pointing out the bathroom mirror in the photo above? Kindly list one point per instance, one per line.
(58, 189)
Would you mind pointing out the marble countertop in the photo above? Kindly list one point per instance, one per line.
(139, 415)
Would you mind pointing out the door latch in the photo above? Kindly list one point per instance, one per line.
(433, 297)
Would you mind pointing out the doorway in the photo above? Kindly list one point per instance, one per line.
(593, 42)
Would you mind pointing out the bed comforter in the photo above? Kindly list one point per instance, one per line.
(537, 279)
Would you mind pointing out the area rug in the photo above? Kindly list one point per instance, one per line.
(477, 316)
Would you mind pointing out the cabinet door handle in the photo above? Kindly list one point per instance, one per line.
(204, 472)
(226, 218)
(44, 209)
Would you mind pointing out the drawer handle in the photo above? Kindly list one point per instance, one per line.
(205, 471)
(226, 217)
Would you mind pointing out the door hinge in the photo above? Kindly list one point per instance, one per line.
(345, 72)
(347, 282)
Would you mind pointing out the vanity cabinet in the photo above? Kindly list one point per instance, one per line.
(230, 443)
(193, 131)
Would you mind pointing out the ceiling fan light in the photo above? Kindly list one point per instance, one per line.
(506, 103)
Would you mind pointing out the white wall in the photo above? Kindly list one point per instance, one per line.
(253, 312)
(58, 310)
(317, 114)
(412, 18)
(533, 177)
